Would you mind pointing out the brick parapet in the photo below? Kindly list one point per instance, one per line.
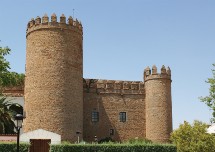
(113, 86)
(150, 74)
(96, 85)
(44, 23)
(14, 91)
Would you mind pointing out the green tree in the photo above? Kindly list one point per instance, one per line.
(210, 99)
(193, 138)
(7, 78)
(7, 112)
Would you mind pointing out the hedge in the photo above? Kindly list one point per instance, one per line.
(113, 148)
(11, 147)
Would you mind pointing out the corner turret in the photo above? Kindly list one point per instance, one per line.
(158, 104)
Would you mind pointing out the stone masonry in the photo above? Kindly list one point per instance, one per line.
(54, 76)
(158, 103)
(109, 98)
(58, 99)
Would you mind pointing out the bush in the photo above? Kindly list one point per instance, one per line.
(113, 148)
(11, 147)
(106, 140)
(193, 138)
(139, 141)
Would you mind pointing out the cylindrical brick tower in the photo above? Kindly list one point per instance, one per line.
(54, 76)
(158, 104)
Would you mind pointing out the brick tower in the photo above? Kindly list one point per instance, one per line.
(158, 104)
(54, 76)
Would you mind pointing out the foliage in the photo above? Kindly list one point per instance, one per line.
(106, 140)
(193, 138)
(210, 99)
(5, 65)
(11, 147)
(113, 148)
(7, 111)
(139, 141)
(8, 78)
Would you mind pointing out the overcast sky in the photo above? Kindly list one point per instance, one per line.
(123, 37)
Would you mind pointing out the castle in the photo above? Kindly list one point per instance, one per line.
(58, 99)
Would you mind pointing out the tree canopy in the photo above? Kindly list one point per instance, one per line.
(210, 99)
(7, 112)
(8, 109)
(193, 138)
(8, 78)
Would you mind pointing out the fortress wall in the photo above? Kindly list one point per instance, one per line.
(58, 99)
(109, 98)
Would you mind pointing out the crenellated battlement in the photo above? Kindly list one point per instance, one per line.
(113, 86)
(44, 23)
(165, 73)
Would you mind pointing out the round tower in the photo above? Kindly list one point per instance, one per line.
(54, 76)
(158, 105)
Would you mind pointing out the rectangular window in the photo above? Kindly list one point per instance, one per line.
(111, 132)
(95, 116)
(122, 116)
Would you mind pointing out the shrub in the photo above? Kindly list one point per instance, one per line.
(113, 148)
(139, 141)
(193, 138)
(11, 147)
(106, 140)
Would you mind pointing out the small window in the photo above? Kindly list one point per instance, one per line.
(122, 116)
(111, 132)
(95, 116)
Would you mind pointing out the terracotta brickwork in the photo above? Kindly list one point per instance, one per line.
(54, 76)
(17, 91)
(58, 99)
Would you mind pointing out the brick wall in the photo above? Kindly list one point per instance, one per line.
(158, 104)
(109, 100)
(54, 77)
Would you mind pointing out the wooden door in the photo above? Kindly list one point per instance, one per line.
(40, 145)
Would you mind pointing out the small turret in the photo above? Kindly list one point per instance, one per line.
(37, 20)
(80, 26)
(163, 70)
(63, 19)
(45, 19)
(154, 69)
(53, 18)
(147, 72)
(70, 20)
(32, 22)
(158, 104)
(168, 71)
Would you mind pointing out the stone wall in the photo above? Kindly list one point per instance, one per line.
(109, 98)
(54, 77)
(158, 104)
(58, 99)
